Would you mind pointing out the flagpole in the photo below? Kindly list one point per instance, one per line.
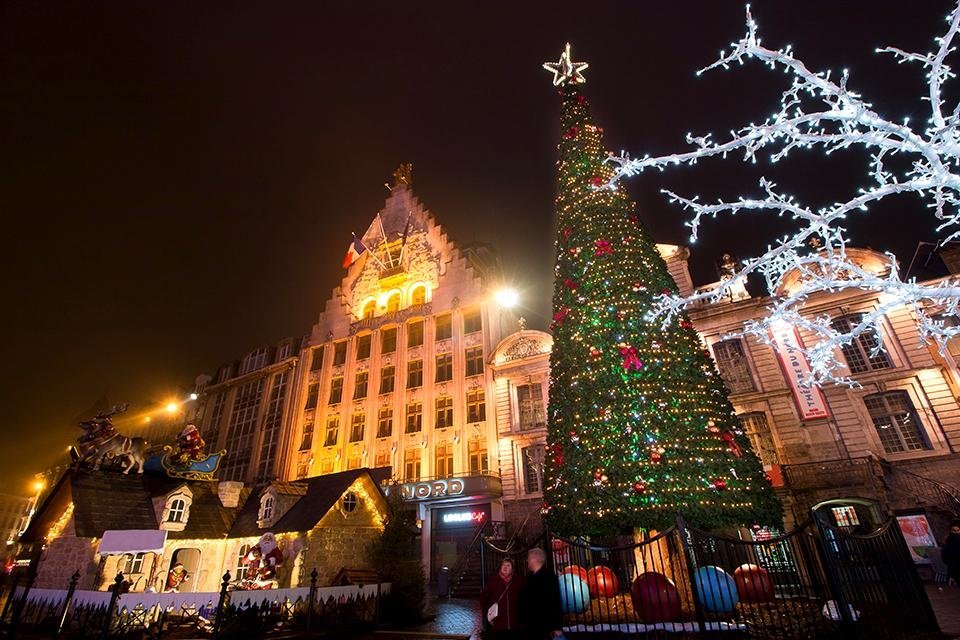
(374, 255)
(384, 237)
(406, 232)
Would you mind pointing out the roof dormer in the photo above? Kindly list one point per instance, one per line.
(176, 509)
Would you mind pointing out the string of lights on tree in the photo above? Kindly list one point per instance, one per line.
(640, 425)
(820, 111)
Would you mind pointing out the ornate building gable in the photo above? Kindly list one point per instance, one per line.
(522, 346)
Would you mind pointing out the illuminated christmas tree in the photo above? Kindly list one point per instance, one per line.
(640, 425)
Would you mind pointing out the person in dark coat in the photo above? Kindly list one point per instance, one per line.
(540, 599)
(503, 590)
(951, 552)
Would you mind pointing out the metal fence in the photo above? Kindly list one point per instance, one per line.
(218, 615)
(817, 581)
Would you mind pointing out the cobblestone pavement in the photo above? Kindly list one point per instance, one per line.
(454, 616)
(946, 605)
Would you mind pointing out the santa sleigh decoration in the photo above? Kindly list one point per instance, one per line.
(188, 461)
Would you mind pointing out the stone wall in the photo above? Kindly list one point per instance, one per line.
(62, 557)
(515, 511)
(331, 548)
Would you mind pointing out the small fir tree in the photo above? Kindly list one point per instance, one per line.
(396, 556)
(640, 425)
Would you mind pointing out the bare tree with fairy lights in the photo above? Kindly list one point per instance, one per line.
(820, 111)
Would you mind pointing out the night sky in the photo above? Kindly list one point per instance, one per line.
(179, 180)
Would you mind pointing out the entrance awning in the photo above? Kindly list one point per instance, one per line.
(133, 541)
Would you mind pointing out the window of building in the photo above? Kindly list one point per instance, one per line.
(349, 502)
(411, 464)
(283, 352)
(845, 516)
(178, 508)
(414, 374)
(353, 461)
(756, 427)
(385, 422)
(363, 346)
(388, 340)
(133, 562)
(254, 360)
(241, 430)
(532, 467)
(333, 431)
(369, 309)
(213, 429)
(360, 385)
(306, 443)
(387, 379)
(732, 363)
(336, 390)
(357, 424)
(327, 466)
(414, 417)
(418, 295)
(896, 421)
(530, 405)
(340, 352)
(444, 412)
(393, 302)
(313, 391)
(444, 468)
(303, 468)
(474, 358)
(444, 327)
(444, 367)
(241, 569)
(858, 353)
(316, 359)
(270, 426)
(266, 508)
(477, 453)
(471, 321)
(383, 458)
(476, 407)
(415, 333)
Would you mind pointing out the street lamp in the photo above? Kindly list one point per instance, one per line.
(172, 407)
(507, 297)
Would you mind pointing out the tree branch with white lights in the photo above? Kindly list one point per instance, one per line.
(820, 111)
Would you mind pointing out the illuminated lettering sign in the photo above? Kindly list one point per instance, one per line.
(809, 399)
(463, 516)
(432, 489)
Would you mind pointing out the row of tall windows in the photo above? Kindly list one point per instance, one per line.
(478, 460)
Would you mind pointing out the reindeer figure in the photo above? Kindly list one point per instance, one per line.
(100, 441)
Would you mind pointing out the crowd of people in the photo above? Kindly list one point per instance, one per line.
(514, 606)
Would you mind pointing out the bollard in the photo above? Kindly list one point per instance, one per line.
(218, 619)
(311, 598)
(74, 579)
(114, 597)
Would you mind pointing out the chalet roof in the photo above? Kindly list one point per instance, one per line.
(320, 494)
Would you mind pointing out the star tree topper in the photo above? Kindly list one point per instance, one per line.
(565, 70)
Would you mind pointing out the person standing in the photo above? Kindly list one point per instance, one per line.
(500, 602)
(951, 552)
(540, 599)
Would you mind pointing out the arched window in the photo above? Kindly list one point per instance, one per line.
(177, 508)
(266, 510)
(241, 568)
(350, 502)
(418, 295)
(393, 302)
(369, 309)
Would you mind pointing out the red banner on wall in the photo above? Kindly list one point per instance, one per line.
(810, 401)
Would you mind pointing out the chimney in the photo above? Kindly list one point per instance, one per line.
(229, 492)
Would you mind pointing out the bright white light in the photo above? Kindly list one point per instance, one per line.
(507, 298)
(194, 396)
(172, 407)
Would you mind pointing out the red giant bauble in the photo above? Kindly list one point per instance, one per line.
(577, 571)
(753, 583)
(655, 598)
(602, 582)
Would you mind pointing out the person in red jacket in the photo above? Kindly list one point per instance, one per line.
(500, 602)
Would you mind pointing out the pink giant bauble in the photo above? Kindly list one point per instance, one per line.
(753, 583)
(655, 598)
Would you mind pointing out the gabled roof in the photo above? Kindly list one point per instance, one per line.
(320, 494)
(104, 501)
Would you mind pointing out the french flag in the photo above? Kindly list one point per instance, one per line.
(354, 251)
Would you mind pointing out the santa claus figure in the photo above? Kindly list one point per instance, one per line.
(262, 562)
(191, 446)
(175, 579)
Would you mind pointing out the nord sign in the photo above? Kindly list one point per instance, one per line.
(431, 489)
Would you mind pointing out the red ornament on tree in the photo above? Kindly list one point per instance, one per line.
(595, 353)
(560, 316)
(571, 132)
(727, 436)
(566, 233)
(639, 487)
(603, 248)
(597, 181)
(570, 283)
(719, 484)
(638, 287)
(686, 324)
(631, 361)
(582, 99)
(656, 456)
(666, 292)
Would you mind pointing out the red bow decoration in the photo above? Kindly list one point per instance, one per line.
(571, 132)
(735, 449)
(559, 317)
(566, 233)
(686, 324)
(597, 181)
(558, 454)
(603, 248)
(631, 361)
(570, 283)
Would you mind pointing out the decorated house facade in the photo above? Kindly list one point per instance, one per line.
(169, 534)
